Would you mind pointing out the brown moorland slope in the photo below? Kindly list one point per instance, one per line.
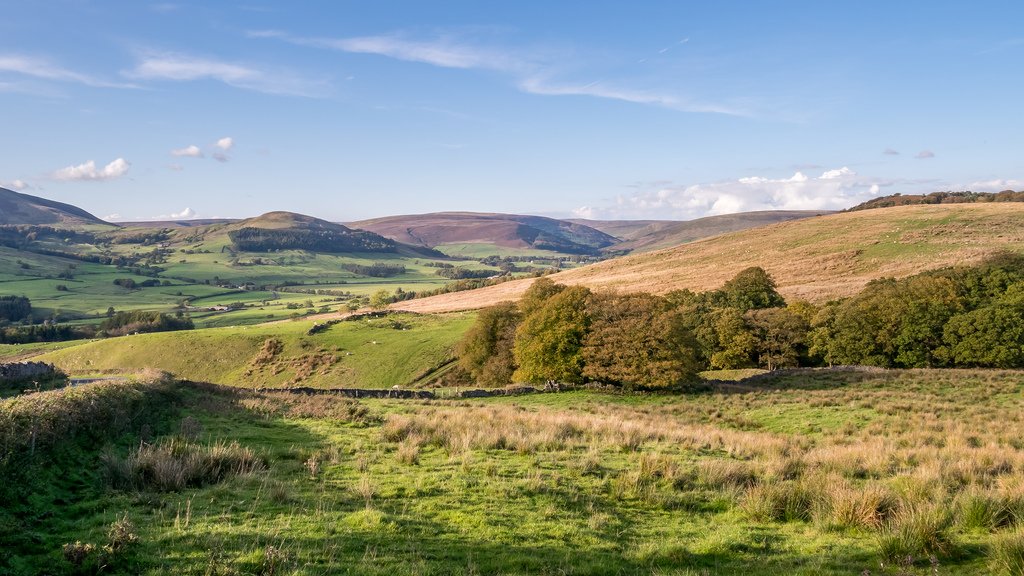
(668, 234)
(17, 208)
(814, 258)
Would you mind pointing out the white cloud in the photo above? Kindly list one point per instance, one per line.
(925, 154)
(833, 190)
(997, 185)
(532, 71)
(183, 68)
(226, 143)
(890, 152)
(185, 214)
(16, 185)
(113, 217)
(45, 70)
(539, 85)
(88, 171)
(191, 151)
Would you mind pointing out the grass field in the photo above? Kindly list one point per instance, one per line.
(816, 259)
(371, 353)
(912, 472)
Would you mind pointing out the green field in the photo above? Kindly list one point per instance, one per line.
(883, 477)
(369, 353)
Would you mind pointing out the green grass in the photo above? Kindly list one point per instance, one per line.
(352, 354)
(395, 488)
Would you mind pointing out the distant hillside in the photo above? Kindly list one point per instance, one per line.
(505, 230)
(290, 231)
(939, 198)
(21, 209)
(659, 234)
(812, 258)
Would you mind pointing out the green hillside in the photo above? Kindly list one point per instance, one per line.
(367, 353)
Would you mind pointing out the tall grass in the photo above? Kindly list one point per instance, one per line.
(178, 464)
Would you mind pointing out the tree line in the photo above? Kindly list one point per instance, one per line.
(955, 317)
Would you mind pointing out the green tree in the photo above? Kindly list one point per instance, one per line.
(549, 340)
(752, 289)
(636, 340)
(538, 294)
(735, 342)
(780, 336)
(485, 351)
(380, 300)
(992, 336)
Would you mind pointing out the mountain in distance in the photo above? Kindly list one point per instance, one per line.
(290, 231)
(647, 235)
(815, 259)
(24, 209)
(504, 230)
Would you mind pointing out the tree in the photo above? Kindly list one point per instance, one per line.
(992, 336)
(752, 289)
(549, 340)
(636, 340)
(485, 351)
(780, 336)
(380, 300)
(537, 294)
(14, 308)
(736, 345)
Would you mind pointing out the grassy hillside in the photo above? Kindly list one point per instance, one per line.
(813, 258)
(667, 235)
(17, 208)
(823, 474)
(377, 353)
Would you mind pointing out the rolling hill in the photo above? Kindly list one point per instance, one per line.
(504, 230)
(812, 258)
(17, 208)
(659, 234)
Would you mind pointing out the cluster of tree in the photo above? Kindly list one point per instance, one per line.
(940, 198)
(956, 317)
(250, 239)
(44, 333)
(145, 237)
(460, 273)
(14, 308)
(121, 323)
(131, 284)
(375, 270)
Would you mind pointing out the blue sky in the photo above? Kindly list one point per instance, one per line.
(349, 110)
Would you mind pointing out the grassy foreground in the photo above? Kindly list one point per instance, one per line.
(912, 472)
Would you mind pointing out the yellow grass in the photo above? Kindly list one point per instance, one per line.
(816, 259)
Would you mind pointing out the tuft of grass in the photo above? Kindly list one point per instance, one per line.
(784, 501)
(917, 533)
(1006, 554)
(174, 465)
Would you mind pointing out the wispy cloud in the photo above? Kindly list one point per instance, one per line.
(184, 68)
(924, 155)
(89, 171)
(44, 69)
(538, 85)
(533, 71)
(890, 152)
(831, 190)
